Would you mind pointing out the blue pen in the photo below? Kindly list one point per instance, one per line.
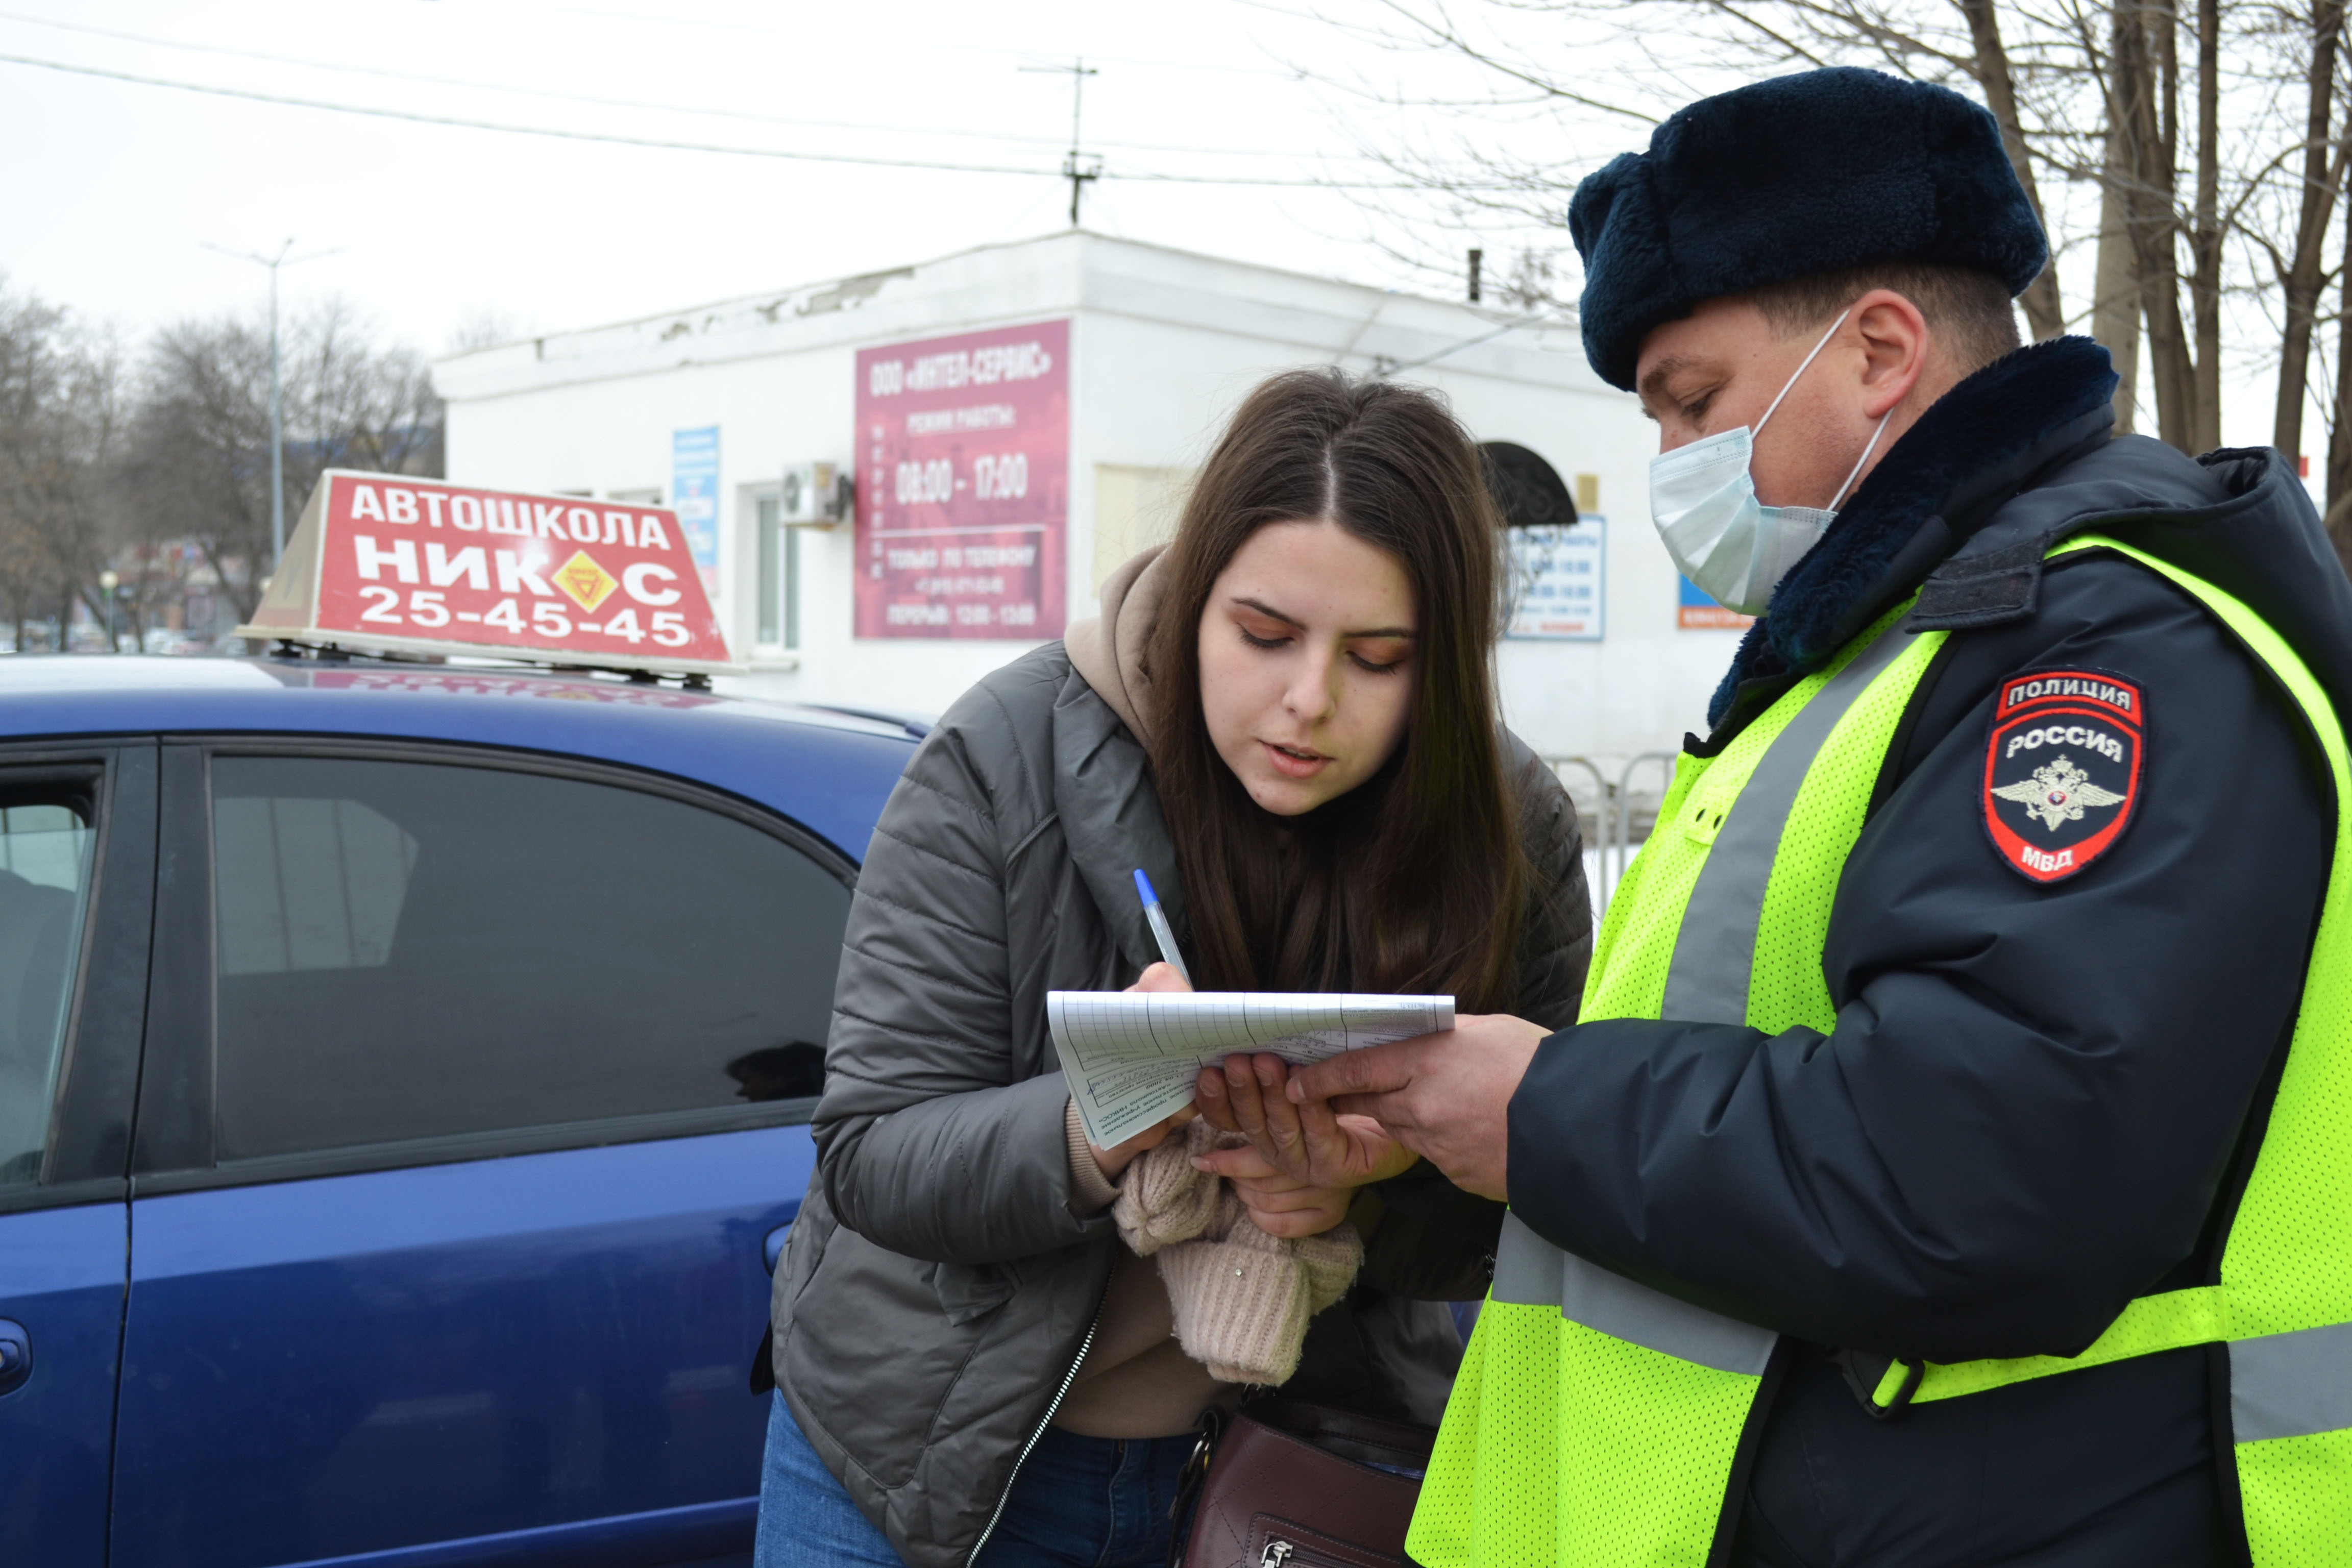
(1160, 931)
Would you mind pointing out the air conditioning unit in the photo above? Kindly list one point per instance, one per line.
(816, 494)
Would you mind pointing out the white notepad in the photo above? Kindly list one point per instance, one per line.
(1132, 1057)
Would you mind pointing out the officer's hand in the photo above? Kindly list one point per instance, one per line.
(1445, 1096)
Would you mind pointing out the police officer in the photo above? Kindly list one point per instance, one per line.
(1954, 1164)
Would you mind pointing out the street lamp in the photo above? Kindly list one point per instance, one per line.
(108, 580)
(277, 436)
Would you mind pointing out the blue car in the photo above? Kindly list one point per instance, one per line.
(404, 1075)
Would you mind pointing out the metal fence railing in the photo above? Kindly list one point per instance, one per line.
(1622, 816)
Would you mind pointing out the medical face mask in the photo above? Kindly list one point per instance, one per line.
(1703, 500)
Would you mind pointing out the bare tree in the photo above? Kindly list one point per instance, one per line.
(58, 430)
(2302, 271)
(2339, 436)
(1990, 55)
(1532, 283)
(2205, 139)
(484, 327)
(196, 465)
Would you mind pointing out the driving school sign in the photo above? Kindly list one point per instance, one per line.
(384, 563)
(963, 485)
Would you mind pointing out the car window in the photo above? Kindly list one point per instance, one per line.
(414, 950)
(45, 865)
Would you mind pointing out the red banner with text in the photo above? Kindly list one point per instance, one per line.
(963, 485)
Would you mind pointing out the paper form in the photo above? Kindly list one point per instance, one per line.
(1132, 1057)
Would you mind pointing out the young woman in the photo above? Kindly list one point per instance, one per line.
(1288, 718)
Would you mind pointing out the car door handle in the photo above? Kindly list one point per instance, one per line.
(16, 1356)
(773, 1248)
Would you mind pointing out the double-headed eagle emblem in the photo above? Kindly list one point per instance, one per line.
(2057, 793)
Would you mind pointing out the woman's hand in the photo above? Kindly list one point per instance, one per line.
(1112, 1161)
(1279, 1205)
(1308, 1143)
(1160, 977)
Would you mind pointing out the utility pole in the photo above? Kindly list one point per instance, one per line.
(1076, 166)
(277, 415)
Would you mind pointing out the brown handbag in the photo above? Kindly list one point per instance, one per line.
(1294, 1485)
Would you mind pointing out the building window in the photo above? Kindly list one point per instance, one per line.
(780, 578)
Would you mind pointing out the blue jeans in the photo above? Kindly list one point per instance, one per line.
(1079, 1502)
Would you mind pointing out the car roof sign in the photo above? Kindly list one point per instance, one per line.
(387, 563)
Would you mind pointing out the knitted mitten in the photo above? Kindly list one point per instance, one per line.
(1162, 1198)
(1242, 1298)
(1330, 1261)
(1240, 1301)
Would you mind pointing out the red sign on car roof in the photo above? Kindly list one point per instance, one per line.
(382, 563)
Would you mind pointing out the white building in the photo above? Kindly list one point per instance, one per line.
(706, 409)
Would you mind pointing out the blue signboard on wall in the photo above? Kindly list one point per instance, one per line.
(1560, 580)
(694, 489)
(1694, 608)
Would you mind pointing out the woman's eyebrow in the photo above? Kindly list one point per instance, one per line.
(1270, 613)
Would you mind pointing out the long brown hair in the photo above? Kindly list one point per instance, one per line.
(1413, 881)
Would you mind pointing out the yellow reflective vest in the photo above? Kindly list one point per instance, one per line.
(1596, 1421)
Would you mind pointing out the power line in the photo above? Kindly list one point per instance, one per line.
(1224, 68)
(668, 144)
(606, 102)
(1387, 368)
(461, 122)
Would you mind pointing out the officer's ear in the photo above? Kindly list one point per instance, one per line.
(1897, 347)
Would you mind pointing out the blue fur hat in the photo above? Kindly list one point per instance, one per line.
(1804, 173)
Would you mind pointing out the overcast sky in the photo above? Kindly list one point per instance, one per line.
(115, 186)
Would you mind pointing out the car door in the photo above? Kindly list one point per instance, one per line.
(476, 1085)
(77, 888)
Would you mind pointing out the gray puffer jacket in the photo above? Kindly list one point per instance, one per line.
(937, 1292)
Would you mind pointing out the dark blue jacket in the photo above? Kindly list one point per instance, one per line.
(2036, 1101)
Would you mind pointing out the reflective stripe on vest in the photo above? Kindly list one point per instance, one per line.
(1716, 949)
(2291, 1385)
(1705, 983)
(1530, 1271)
(1595, 1420)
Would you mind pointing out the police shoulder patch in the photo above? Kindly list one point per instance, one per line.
(2062, 769)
